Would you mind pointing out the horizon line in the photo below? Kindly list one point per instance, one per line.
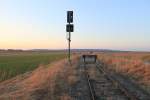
(107, 49)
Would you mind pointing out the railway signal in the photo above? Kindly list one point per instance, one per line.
(69, 29)
(69, 16)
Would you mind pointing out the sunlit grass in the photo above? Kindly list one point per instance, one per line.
(133, 65)
(146, 58)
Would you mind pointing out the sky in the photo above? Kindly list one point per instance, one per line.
(102, 24)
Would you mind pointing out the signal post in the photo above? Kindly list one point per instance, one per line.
(69, 29)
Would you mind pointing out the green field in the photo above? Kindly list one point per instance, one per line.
(15, 63)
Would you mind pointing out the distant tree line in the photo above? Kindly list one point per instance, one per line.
(11, 50)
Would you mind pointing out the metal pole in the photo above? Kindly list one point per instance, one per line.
(69, 48)
(69, 51)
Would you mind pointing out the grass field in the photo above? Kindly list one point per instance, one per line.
(15, 63)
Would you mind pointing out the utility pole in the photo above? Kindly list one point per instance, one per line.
(69, 29)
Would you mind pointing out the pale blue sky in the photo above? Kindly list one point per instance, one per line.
(107, 24)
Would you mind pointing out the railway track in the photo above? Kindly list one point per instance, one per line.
(102, 86)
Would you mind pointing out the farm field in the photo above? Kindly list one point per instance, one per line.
(15, 63)
(134, 65)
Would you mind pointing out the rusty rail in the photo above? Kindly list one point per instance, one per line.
(92, 93)
(121, 86)
(123, 89)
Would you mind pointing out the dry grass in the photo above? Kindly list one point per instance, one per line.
(65, 97)
(132, 64)
(46, 83)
